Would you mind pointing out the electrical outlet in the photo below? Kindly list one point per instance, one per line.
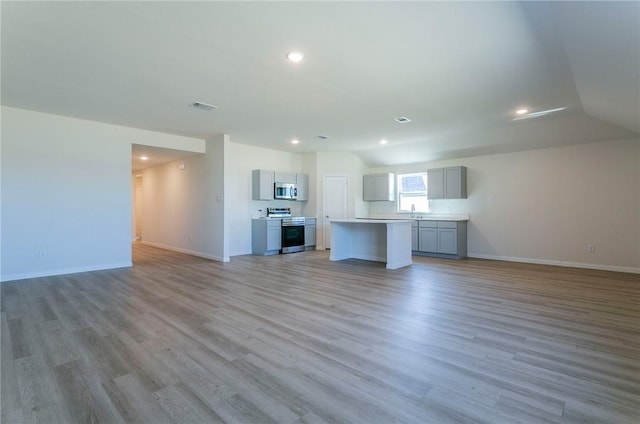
(42, 252)
(190, 239)
(591, 248)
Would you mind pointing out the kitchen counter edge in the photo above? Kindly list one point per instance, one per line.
(422, 218)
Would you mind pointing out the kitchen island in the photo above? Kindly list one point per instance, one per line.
(379, 240)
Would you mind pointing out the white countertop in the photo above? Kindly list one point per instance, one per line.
(279, 217)
(421, 217)
(373, 221)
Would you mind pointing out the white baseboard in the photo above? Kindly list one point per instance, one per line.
(600, 267)
(75, 270)
(186, 251)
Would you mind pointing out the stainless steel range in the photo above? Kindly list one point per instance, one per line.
(278, 212)
(292, 229)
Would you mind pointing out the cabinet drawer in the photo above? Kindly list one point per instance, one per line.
(274, 223)
(447, 224)
(428, 224)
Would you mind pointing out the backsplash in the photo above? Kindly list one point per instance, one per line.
(453, 206)
(259, 207)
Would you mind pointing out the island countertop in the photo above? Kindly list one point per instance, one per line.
(381, 240)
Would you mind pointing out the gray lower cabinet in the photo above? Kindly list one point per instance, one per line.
(310, 234)
(428, 236)
(414, 235)
(266, 236)
(447, 239)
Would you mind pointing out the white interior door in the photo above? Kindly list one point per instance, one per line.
(335, 202)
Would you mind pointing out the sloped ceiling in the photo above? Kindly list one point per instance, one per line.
(457, 69)
(602, 42)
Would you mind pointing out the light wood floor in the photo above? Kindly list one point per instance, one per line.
(296, 338)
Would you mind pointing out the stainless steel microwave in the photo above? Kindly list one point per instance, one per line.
(285, 191)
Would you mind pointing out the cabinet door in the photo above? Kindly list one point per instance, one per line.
(309, 235)
(285, 177)
(262, 185)
(368, 187)
(435, 183)
(455, 179)
(414, 238)
(447, 241)
(378, 187)
(385, 187)
(428, 239)
(274, 238)
(302, 182)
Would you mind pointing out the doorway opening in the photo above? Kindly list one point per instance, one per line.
(144, 158)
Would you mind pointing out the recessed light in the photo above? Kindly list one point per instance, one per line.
(294, 56)
(402, 119)
(383, 141)
(295, 141)
(538, 114)
(143, 158)
(522, 111)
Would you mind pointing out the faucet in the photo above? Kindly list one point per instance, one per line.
(413, 210)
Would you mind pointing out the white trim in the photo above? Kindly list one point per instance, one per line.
(601, 267)
(13, 277)
(188, 252)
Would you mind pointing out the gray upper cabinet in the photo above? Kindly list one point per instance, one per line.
(455, 182)
(302, 182)
(435, 183)
(378, 187)
(285, 177)
(262, 184)
(447, 183)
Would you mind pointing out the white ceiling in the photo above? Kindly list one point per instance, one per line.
(457, 69)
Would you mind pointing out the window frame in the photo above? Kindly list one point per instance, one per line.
(423, 195)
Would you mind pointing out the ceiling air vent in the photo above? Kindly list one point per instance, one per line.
(203, 106)
(402, 119)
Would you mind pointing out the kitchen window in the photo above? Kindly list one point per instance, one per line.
(412, 193)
